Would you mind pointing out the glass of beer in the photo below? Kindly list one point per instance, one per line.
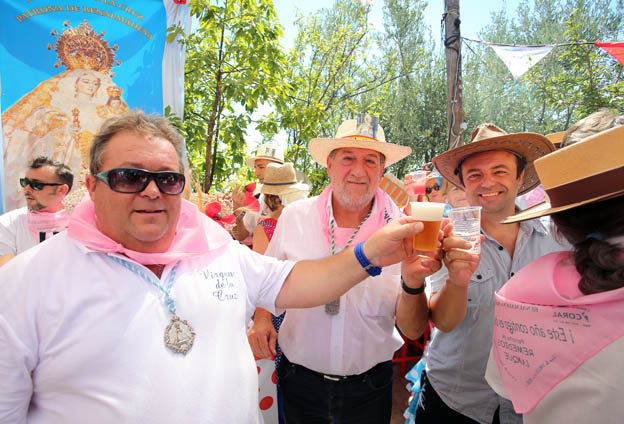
(430, 214)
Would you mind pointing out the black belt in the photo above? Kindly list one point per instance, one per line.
(336, 378)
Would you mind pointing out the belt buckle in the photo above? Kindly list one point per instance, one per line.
(332, 378)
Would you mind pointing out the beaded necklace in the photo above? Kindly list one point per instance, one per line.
(333, 307)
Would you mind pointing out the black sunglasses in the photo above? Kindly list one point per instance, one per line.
(428, 190)
(36, 185)
(132, 180)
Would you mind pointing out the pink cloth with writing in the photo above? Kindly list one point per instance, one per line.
(545, 328)
(384, 210)
(196, 235)
(47, 222)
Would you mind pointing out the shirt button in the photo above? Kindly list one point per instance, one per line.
(479, 277)
(500, 247)
(512, 274)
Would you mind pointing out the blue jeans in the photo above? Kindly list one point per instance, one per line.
(312, 398)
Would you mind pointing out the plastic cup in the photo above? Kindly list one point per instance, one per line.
(467, 225)
(430, 214)
(415, 182)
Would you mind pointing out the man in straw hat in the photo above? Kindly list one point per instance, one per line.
(337, 357)
(492, 169)
(247, 220)
(137, 313)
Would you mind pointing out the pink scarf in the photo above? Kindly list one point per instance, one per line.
(545, 328)
(196, 235)
(383, 211)
(47, 222)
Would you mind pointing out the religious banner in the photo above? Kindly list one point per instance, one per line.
(520, 59)
(66, 67)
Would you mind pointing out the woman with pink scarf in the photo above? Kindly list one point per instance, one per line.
(558, 326)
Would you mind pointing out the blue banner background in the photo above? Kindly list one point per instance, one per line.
(137, 27)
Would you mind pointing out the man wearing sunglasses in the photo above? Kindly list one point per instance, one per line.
(46, 184)
(138, 312)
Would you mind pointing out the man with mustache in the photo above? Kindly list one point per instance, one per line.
(45, 185)
(337, 358)
(492, 169)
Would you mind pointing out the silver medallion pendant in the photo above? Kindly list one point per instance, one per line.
(333, 307)
(179, 335)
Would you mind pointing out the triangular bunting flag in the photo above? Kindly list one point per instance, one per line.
(615, 49)
(520, 59)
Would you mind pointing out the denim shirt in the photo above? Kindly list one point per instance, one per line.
(457, 360)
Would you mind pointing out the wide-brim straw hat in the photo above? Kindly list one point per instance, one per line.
(280, 179)
(488, 137)
(585, 172)
(361, 133)
(265, 151)
(556, 138)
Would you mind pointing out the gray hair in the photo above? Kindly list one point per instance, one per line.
(137, 122)
(590, 125)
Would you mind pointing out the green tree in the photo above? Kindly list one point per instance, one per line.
(233, 60)
(414, 112)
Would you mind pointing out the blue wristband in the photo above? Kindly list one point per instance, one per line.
(373, 271)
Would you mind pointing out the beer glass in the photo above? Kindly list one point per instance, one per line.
(430, 214)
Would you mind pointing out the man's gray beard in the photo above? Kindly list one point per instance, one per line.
(349, 205)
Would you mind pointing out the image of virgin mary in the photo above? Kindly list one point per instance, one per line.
(59, 117)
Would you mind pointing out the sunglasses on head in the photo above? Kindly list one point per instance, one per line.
(36, 185)
(428, 190)
(132, 180)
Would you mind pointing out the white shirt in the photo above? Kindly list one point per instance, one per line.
(85, 337)
(15, 237)
(362, 334)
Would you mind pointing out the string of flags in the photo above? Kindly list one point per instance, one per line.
(519, 59)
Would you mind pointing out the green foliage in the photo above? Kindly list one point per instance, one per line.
(340, 66)
(567, 85)
(234, 61)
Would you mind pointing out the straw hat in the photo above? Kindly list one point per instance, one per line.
(265, 151)
(488, 137)
(585, 172)
(556, 138)
(361, 133)
(280, 179)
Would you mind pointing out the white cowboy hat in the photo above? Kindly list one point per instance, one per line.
(265, 151)
(585, 172)
(361, 133)
(488, 137)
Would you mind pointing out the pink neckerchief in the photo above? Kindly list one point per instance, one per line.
(383, 211)
(196, 234)
(545, 328)
(47, 222)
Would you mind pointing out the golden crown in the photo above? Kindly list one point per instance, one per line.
(114, 91)
(82, 48)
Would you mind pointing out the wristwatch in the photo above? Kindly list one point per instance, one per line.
(410, 290)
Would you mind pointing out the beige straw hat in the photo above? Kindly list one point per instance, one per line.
(588, 171)
(364, 132)
(265, 151)
(280, 179)
(488, 137)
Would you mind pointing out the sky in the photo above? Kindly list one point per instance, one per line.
(474, 14)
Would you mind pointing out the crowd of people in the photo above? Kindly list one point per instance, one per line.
(136, 306)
